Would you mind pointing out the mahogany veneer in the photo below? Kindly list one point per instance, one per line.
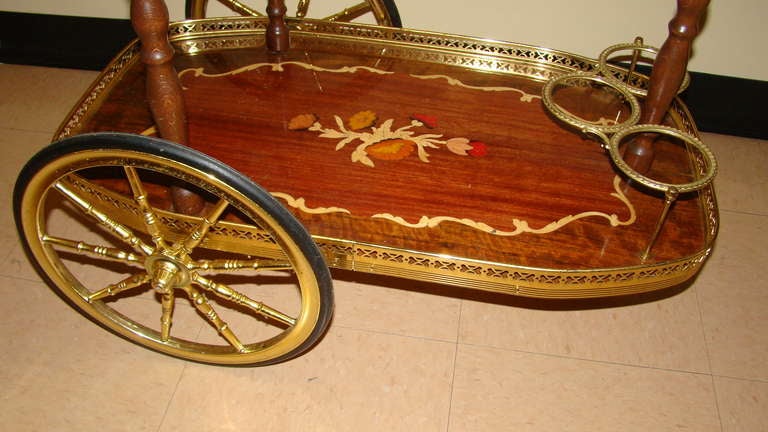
(520, 165)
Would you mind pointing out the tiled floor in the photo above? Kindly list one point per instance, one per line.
(403, 356)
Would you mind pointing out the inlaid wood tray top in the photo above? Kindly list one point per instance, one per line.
(425, 155)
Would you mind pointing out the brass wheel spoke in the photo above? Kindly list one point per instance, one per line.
(83, 248)
(130, 282)
(202, 305)
(166, 319)
(223, 265)
(150, 217)
(123, 233)
(350, 13)
(301, 8)
(228, 293)
(240, 8)
(194, 238)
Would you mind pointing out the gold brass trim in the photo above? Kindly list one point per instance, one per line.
(356, 256)
(508, 279)
(535, 63)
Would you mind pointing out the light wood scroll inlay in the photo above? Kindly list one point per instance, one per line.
(384, 152)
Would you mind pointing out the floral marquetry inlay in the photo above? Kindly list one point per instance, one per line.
(374, 141)
(385, 143)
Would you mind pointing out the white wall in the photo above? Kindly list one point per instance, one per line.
(732, 42)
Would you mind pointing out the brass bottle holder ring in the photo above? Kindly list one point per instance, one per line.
(606, 70)
(611, 136)
(670, 190)
(704, 179)
(578, 122)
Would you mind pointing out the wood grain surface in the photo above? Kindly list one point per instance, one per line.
(530, 171)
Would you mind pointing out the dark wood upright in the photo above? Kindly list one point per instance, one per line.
(277, 31)
(668, 72)
(164, 94)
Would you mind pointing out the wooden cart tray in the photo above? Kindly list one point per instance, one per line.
(423, 155)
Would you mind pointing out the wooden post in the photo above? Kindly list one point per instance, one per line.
(668, 72)
(277, 31)
(164, 93)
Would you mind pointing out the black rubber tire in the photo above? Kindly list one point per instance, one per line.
(99, 142)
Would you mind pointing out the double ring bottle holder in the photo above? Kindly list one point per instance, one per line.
(612, 134)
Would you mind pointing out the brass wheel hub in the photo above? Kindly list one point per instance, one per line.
(167, 273)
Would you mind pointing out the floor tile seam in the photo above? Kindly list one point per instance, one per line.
(743, 379)
(703, 328)
(453, 367)
(48, 132)
(386, 333)
(590, 360)
(743, 212)
(173, 395)
(708, 352)
(6, 257)
(24, 279)
(717, 403)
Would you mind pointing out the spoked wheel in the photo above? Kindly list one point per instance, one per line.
(384, 12)
(240, 283)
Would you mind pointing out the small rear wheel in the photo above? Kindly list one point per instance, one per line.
(240, 283)
(383, 12)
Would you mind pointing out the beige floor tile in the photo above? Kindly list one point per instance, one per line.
(62, 372)
(388, 361)
(38, 99)
(733, 297)
(16, 264)
(663, 333)
(497, 390)
(397, 306)
(16, 148)
(352, 381)
(743, 404)
(742, 182)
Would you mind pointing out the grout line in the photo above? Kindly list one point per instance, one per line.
(709, 357)
(47, 132)
(178, 381)
(741, 212)
(560, 356)
(23, 279)
(717, 401)
(453, 375)
(173, 395)
(753, 380)
(584, 359)
(424, 338)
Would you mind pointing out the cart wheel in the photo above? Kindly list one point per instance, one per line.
(241, 283)
(384, 11)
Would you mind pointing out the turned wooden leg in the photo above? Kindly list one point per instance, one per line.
(164, 94)
(668, 72)
(277, 31)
